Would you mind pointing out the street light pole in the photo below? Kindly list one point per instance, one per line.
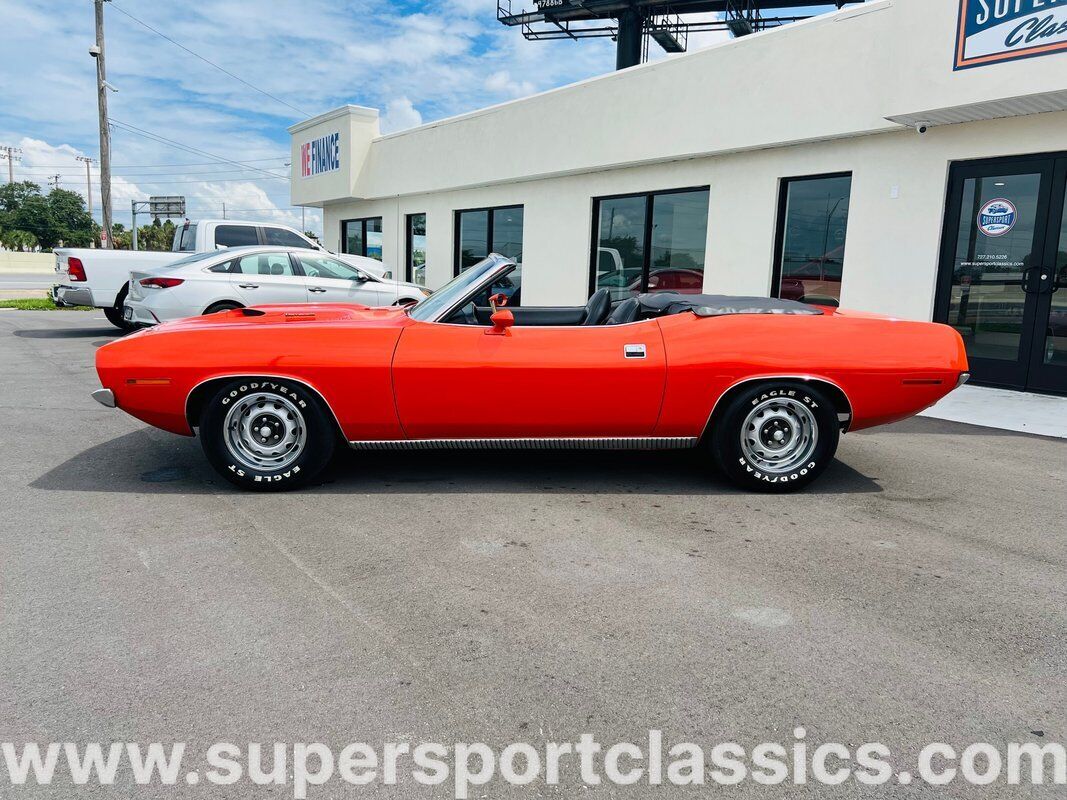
(105, 133)
(11, 154)
(88, 181)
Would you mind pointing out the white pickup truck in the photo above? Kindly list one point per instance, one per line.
(100, 278)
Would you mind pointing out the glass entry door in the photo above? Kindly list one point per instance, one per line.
(1003, 261)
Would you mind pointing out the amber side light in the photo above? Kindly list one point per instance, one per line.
(148, 381)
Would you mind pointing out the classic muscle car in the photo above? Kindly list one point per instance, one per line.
(765, 386)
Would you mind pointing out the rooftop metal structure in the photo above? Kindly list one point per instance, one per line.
(634, 23)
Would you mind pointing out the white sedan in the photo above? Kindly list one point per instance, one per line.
(244, 276)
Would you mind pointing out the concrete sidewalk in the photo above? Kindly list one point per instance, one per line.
(1006, 410)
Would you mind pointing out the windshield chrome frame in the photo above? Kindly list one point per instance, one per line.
(502, 266)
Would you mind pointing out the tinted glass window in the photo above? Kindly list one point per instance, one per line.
(264, 264)
(507, 233)
(492, 230)
(236, 235)
(811, 258)
(325, 267)
(363, 237)
(679, 238)
(374, 239)
(225, 266)
(185, 238)
(352, 240)
(473, 237)
(416, 266)
(284, 238)
(633, 257)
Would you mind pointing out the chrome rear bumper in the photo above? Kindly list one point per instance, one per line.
(104, 397)
(63, 295)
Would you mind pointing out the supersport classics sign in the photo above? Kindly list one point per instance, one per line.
(320, 155)
(991, 31)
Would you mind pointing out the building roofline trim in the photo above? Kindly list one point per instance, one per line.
(362, 112)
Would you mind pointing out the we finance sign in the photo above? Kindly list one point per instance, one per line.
(992, 31)
(320, 155)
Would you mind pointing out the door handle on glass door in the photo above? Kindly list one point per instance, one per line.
(316, 289)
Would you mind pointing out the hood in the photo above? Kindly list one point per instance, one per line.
(288, 314)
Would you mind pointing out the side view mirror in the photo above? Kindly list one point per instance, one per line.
(498, 301)
(502, 320)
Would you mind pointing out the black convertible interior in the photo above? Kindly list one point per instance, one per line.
(599, 310)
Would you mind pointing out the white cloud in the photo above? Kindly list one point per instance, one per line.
(399, 115)
(500, 82)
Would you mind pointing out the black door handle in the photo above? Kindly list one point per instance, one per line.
(1038, 280)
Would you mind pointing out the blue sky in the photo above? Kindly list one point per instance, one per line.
(417, 62)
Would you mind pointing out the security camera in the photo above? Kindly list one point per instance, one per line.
(109, 86)
(922, 127)
(94, 51)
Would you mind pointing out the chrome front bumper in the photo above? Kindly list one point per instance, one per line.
(104, 397)
(63, 295)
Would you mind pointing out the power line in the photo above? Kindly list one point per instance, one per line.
(190, 164)
(208, 61)
(188, 148)
(147, 175)
(177, 183)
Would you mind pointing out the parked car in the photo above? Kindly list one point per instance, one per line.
(274, 389)
(206, 283)
(99, 278)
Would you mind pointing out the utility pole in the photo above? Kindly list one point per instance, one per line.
(105, 134)
(224, 211)
(54, 180)
(88, 181)
(12, 155)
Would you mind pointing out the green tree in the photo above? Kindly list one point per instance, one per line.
(71, 222)
(59, 217)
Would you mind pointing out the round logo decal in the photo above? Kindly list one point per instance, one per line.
(997, 217)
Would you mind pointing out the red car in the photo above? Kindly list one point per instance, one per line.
(765, 386)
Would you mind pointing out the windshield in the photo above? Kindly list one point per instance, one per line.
(463, 285)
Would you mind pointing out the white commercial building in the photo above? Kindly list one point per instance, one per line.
(787, 163)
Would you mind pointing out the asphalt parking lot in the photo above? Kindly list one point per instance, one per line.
(917, 593)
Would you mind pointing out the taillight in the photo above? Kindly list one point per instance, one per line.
(160, 283)
(75, 269)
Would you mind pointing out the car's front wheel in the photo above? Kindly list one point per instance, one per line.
(267, 434)
(776, 436)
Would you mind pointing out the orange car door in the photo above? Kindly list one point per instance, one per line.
(457, 382)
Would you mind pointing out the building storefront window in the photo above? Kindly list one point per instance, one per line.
(415, 270)
(362, 237)
(810, 248)
(481, 231)
(652, 242)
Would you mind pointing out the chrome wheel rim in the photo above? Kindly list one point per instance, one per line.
(265, 431)
(779, 435)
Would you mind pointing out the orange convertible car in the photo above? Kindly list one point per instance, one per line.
(765, 386)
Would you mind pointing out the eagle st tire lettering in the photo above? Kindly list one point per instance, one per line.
(813, 418)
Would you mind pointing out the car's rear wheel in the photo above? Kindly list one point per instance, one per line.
(114, 313)
(266, 434)
(776, 436)
(225, 305)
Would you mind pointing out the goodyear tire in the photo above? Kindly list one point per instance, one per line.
(776, 436)
(266, 434)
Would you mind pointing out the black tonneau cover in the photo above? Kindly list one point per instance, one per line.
(717, 305)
